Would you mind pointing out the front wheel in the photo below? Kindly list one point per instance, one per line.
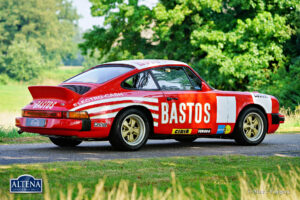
(251, 127)
(130, 130)
(65, 142)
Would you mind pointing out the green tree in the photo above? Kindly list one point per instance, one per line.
(23, 61)
(48, 26)
(234, 45)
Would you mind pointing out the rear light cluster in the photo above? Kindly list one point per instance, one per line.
(76, 115)
(55, 114)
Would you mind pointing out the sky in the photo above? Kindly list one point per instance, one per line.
(87, 21)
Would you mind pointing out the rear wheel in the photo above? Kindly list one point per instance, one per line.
(130, 130)
(186, 140)
(65, 142)
(251, 127)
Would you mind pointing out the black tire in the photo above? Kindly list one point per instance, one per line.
(186, 140)
(122, 143)
(245, 134)
(65, 142)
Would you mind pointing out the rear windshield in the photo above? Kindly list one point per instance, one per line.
(100, 74)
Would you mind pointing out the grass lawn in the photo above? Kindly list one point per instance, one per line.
(11, 136)
(58, 75)
(292, 121)
(219, 175)
(14, 96)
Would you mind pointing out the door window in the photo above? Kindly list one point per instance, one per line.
(172, 78)
(194, 79)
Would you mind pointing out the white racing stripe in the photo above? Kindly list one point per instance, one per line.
(121, 105)
(155, 116)
(105, 116)
(112, 115)
(146, 99)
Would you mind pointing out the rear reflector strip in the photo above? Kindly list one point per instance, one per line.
(41, 114)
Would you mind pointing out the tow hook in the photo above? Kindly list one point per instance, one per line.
(20, 131)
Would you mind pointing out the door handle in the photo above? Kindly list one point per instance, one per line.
(171, 98)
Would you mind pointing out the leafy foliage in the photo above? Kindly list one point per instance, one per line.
(234, 45)
(23, 61)
(44, 27)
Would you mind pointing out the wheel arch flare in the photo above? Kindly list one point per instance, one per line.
(148, 113)
(253, 106)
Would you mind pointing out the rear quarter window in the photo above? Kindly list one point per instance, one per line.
(140, 81)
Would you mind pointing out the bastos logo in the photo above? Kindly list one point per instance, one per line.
(26, 184)
(187, 112)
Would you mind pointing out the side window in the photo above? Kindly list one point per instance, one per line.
(172, 78)
(194, 79)
(141, 81)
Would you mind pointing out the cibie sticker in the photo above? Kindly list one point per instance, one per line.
(221, 129)
(181, 131)
(227, 129)
(203, 130)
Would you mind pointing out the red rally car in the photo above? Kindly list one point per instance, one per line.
(127, 102)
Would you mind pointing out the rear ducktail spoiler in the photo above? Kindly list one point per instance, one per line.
(53, 92)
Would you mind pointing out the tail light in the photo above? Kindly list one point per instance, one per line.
(76, 115)
(18, 122)
(55, 114)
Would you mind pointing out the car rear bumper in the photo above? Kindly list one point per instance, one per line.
(80, 128)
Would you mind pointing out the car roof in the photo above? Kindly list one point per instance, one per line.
(145, 63)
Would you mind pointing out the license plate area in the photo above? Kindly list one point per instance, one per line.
(35, 122)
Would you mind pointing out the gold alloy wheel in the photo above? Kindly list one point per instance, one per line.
(253, 126)
(133, 129)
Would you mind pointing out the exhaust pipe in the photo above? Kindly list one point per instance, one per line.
(20, 131)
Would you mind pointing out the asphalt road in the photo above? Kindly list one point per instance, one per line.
(273, 145)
